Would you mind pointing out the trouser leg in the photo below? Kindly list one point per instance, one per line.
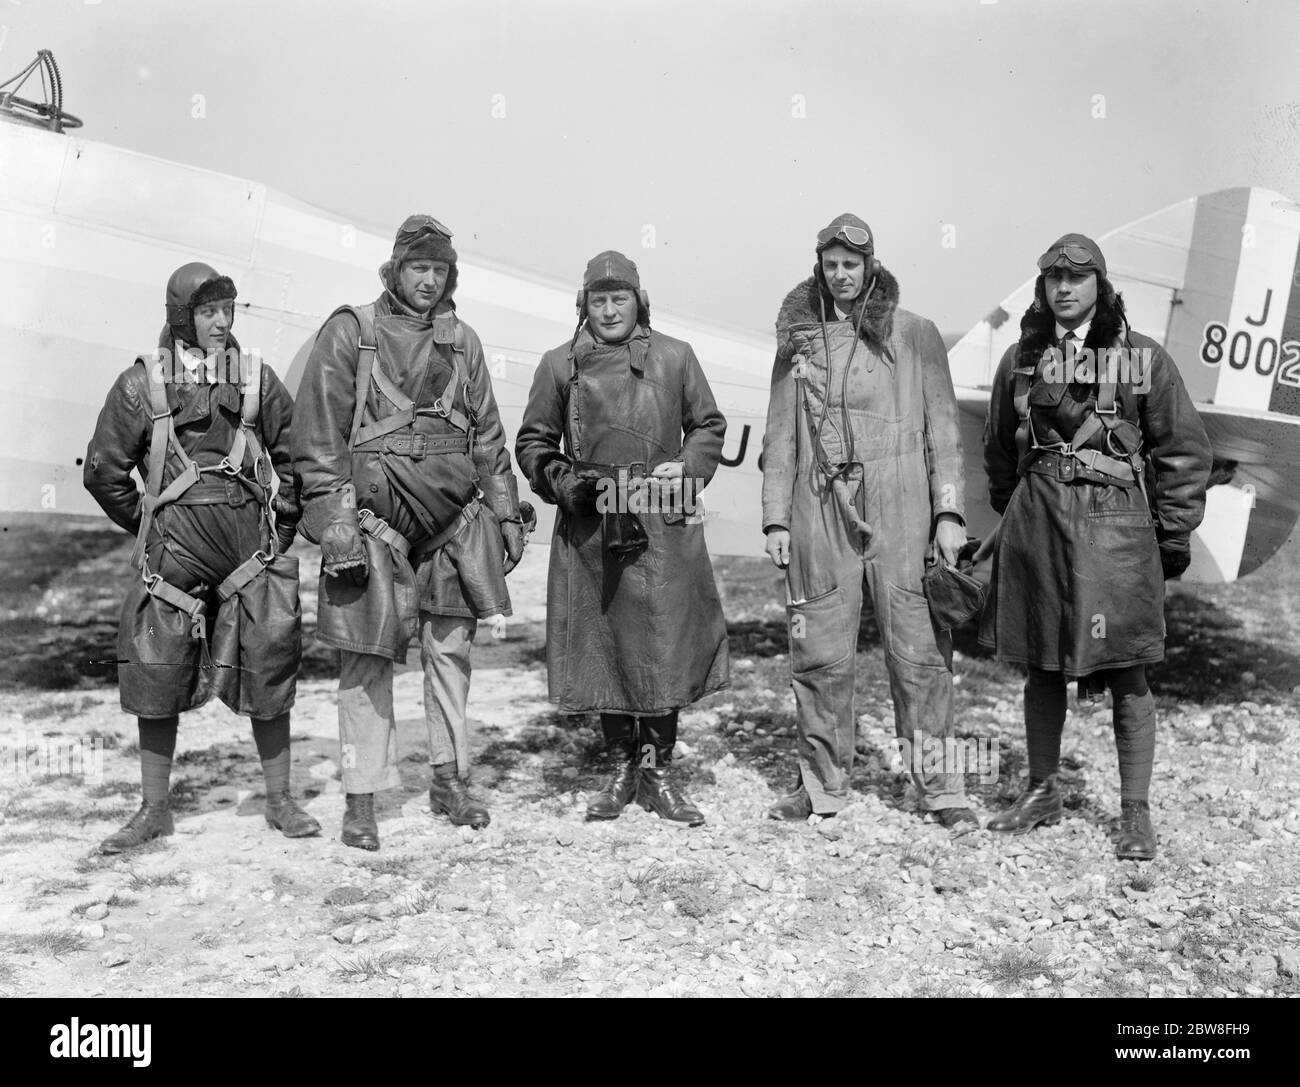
(919, 661)
(157, 749)
(1045, 703)
(367, 727)
(1135, 730)
(445, 644)
(825, 586)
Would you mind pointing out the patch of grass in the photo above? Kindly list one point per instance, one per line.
(209, 939)
(51, 941)
(384, 866)
(555, 972)
(913, 855)
(117, 900)
(108, 740)
(409, 905)
(873, 894)
(1143, 881)
(1013, 967)
(376, 964)
(693, 889)
(853, 984)
(937, 989)
(114, 788)
(142, 881)
(49, 812)
(46, 832)
(50, 887)
(291, 994)
(347, 895)
(8, 974)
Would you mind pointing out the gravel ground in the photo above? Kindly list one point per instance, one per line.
(874, 902)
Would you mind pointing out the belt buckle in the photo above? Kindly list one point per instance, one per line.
(1065, 469)
(234, 492)
(636, 469)
(419, 446)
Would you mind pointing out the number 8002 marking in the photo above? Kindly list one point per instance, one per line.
(1239, 352)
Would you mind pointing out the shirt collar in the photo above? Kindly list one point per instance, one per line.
(1081, 332)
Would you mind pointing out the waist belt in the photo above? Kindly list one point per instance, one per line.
(1081, 465)
(214, 492)
(415, 446)
(594, 469)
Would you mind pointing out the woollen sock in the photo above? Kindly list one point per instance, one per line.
(1045, 698)
(271, 734)
(157, 748)
(1135, 730)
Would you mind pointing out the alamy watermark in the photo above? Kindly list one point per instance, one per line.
(190, 367)
(1117, 365)
(34, 756)
(963, 755)
(626, 493)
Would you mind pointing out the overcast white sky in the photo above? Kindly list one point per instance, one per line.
(685, 117)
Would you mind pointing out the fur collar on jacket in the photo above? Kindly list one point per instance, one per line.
(1038, 332)
(801, 307)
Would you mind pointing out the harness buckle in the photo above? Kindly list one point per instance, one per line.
(1112, 410)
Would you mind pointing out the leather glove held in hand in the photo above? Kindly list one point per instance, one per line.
(1174, 561)
(343, 552)
(512, 536)
(332, 520)
(288, 513)
(574, 495)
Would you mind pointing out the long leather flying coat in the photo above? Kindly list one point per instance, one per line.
(644, 633)
(414, 495)
(1077, 582)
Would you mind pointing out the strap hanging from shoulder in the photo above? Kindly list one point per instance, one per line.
(161, 439)
(367, 348)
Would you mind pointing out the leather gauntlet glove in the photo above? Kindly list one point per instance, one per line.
(332, 521)
(574, 495)
(1175, 554)
(501, 495)
(288, 512)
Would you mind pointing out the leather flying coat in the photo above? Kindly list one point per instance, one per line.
(640, 633)
(416, 495)
(1077, 583)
